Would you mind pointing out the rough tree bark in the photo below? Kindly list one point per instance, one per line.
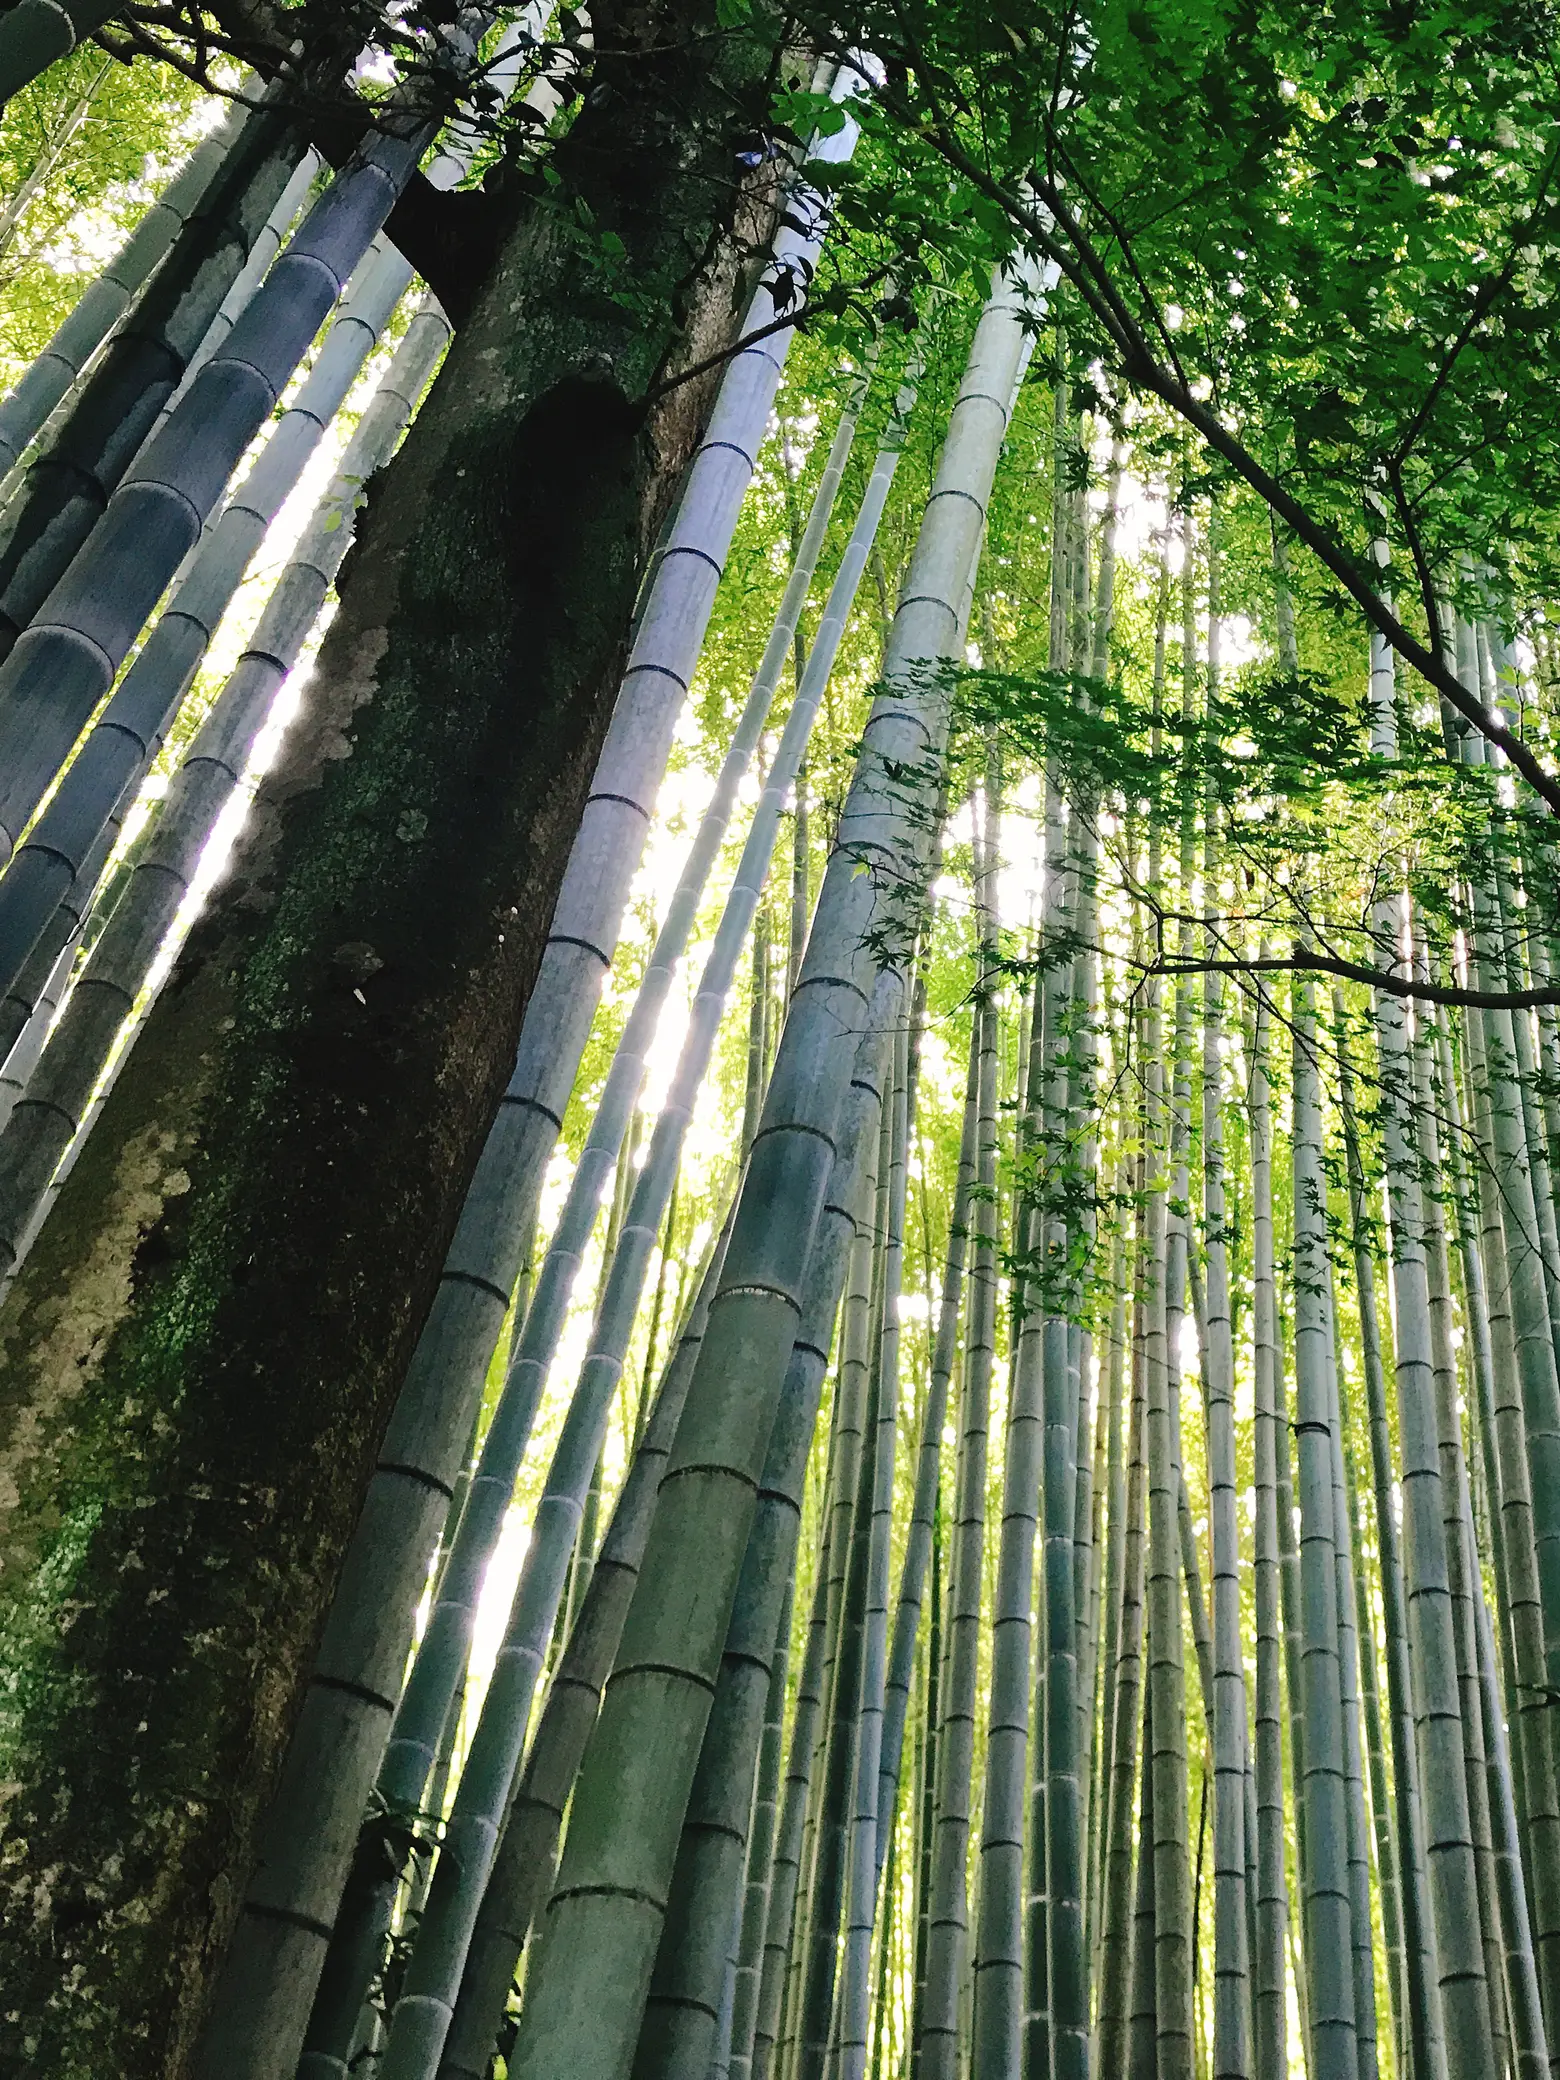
(197, 1362)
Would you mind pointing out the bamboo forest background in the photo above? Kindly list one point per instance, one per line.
(1144, 1655)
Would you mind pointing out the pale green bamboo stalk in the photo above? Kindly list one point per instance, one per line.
(1126, 1699)
(1421, 1983)
(1504, 1123)
(1522, 1982)
(998, 2020)
(1462, 1555)
(764, 1871)
(1231, 1965)
(1375, 1757)
(1449, 1854)
(1523, 1608)
(790, 1845)
(857, 1391)
(1328, 1932)
(1531, 1107)
(1289, 1584)
(1142, 2027)
(1068, 1683)
(918, 1541)
(948, 1923)
(1270, 2052)
(1354, 1773)
(1482, 1365)
(1091, 1556)
(761, 1845)
(1165, 1761)
(1110, 1544)
(433, 1974)
(854, 1999)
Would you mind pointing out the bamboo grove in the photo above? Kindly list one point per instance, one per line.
(965, 1480)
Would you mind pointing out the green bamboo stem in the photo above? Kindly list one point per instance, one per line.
(948, 1917)
(1354, 1774)
(1270, 2054)
(854, 2001)
(1462, 1556)
(1126, 1693)
(523, 1865)
(918, 1538)
(1449, 1852)
(1166, 1758)
(1231, 1964)
(851, 1532)
(761, 1845)
(999, 1955)
(1324, 1791)
(1142, 2027)
(1421, 1996)
(1524, 1625)
(679, 2031)
(790, 1842)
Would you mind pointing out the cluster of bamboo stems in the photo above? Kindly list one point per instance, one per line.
(869, 1710)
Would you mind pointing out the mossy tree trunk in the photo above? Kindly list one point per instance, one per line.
(199, 1357)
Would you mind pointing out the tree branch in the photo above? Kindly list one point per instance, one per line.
(1084, 268)
(1307, 961)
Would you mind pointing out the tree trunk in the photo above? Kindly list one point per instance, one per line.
(198, 1359)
